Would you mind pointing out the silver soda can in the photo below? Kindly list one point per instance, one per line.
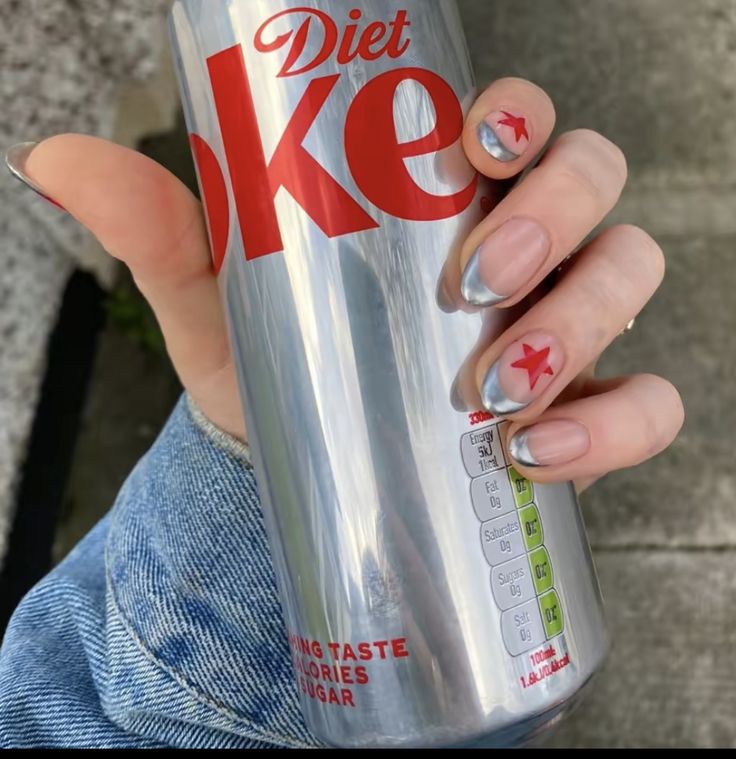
(432, 595)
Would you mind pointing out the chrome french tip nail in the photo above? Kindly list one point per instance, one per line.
(493, 397)
(492, 144)
(522, 373)
(519, 449)
(456, 399)
(16, 158)
(473, 289)
(444, 300)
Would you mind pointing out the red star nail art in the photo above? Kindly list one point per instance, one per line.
(517, 123)
(535, 363)
(507, 390)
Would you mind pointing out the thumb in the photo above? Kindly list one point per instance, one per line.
(146, 218)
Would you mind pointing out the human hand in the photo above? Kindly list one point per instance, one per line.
(540, 372)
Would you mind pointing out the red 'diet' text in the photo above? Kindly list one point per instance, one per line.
(330, 672)
(374, 40)
(375, 156)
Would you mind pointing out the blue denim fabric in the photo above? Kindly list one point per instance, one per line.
(163, 627)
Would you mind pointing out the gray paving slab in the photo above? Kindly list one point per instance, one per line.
(670, 678)
(133, 391)
(657, 76)
(686, 496)
(33, 273)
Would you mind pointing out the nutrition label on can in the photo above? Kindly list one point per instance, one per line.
(512, 537)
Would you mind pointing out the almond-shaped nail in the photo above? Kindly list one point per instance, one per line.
(444, 299)
(505, 262)
(522, 373)
(552, 443)
(16, 159)
(504, 135)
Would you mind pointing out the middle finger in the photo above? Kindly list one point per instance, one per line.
(542, 220)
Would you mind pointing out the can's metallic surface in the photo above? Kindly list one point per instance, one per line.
(432, 596)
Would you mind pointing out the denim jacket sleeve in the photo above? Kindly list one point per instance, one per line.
(163, 627)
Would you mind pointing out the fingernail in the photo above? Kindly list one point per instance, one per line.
(456, 398)
(522, 373)
(504, 135)
(550, 443)
(444, 299)
(16, 159)
(505, 262)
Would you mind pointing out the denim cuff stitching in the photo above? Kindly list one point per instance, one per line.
(228, 444)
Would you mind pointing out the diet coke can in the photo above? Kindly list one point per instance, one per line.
(432, 595)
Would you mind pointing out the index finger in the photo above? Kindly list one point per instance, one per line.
(507, 127)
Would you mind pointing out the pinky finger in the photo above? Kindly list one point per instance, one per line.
(621, 423)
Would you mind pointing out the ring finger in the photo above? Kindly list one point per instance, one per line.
(534, 360)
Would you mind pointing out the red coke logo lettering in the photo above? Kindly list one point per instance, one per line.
(375, 156)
